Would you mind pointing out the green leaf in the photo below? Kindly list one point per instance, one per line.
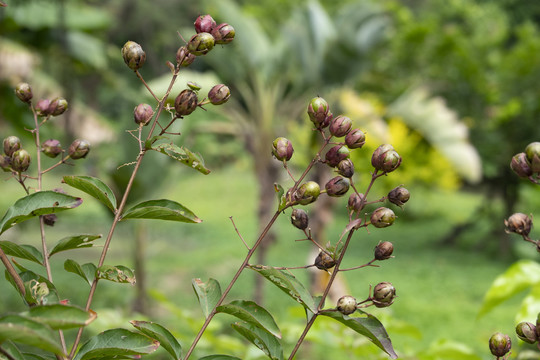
(265, 341)
(86, 271)
(93, 187)
(219, 357)
(118, 273)
(161, 334)
(161, 209)
(38, 289)
(519, 276)
(28, 356)
(12, 350)
(59, 316)
(252, 313)
(22, 330)
(208, 293)
(74, 242)
(116, 342)
(183, 155)
(282, 199)
(27, 252)
(148, 143)
(39, 203)
(289, 284)
(368, 326)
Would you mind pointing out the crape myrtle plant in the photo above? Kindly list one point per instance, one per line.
(41, 329)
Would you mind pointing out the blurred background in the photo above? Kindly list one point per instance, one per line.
(451, 84)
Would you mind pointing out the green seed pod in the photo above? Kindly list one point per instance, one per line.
(219, 94)
(336, 154)
(186, 102)
(385, 158)
(51, 148)
(318, 111)
(526, 331)
(133, 54)
(521, 165)
(20, 160)
(79, 149)
(382, 217)
(307, 193)
(58, 106)
(11, 144)
(201, 44)
(282, 149)
(24, 92)
(384, 294)
(500, 344)
(223, 33)
(346, 305)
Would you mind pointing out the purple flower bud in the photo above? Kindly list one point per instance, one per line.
(382, 217)
(385, 159)
(518, 223)
(307, 193)
(300, 219)
(24, 92)
(184, 57)
(20, 160)
(186, 102)
(356, 202)
(323, 261)
(318, 111)
(223, 33)
(57, 106)
(79, 149)
(499, 344)
(533, 155)
(346, 168)
(142, 114)
(50, 219)
(51, 148)
(133, 54)
(384, 250)
(346, 305)
(384, 294)
(336, 154)
(521, 165)
(399, 196)
(282, 149)
(526, 331)
(201, 44)
(340, 126)
(219, 94)
(42, 107)
(355, 139)
(11, 144)
(337, 186)
(5, 163)
(204, 23)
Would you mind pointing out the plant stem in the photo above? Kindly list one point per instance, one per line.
(11, 270)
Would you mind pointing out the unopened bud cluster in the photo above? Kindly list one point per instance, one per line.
(208, 34)
(188, 100)
(527, 164)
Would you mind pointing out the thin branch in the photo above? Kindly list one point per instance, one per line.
(238, 232)
(11, 270)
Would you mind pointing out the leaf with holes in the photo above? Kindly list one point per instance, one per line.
(184, 155)
(118, 273)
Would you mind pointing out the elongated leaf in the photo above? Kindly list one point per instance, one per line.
(516, 278)
(208, 294)
(93, 187)
(86, 271)
(39, 203)
(161, 209)
(116, 342)
(289, 284)
(22, 330)
(265, 341)
(282, 199)
(74, 242)
(161, 334)
(253, 314)
(28, 356)
(12, 350)
(184, 155)
(219, 357)
(59, 316)
(369, 326)
(27, 252)
(118, 273)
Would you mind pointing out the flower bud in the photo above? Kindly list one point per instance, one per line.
(526, 331)
(323, 261)
(223, 33)
(20, 160)
(385, 159)
(399, 196)
(42, 107)
(184, 57)
(186, 102)
(57, 106)
(300, 219)
(500, 344)
(337, 186)
(384, 294)
(384, 250)
(5, 163)
(24, 92)
(355, 139)
(356, 202)
(340, 126)
(346, 168)
(79, 149)
(336, 154)
(11, 144)
(50, 219)
(204, 23)
(318, 111)
(382, 217)
(282, 149)
(533, 155)
(518, 223)
(133, 54)
(521, 165)
(201, 44)
(346, 305)
(307, 193)
(219, 94)
(142, 114)
(51, 148)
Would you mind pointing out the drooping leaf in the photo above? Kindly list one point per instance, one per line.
(12, 350)
(28, 356)
(219, 357)
(118, 273)
(116, 342)
(289, 284)
(184, 155)
(530, 305)
(38, 289)
(23, 330)
(208, 293)
(161, 334)
(59, 316)
(369, 326)
(282, 199)
(86, 271)
(27, 252)
(265, 341)
(148, 143)
(253, 314)
(39, 203)
(93, 187)
(162, 210)
(73, 242)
